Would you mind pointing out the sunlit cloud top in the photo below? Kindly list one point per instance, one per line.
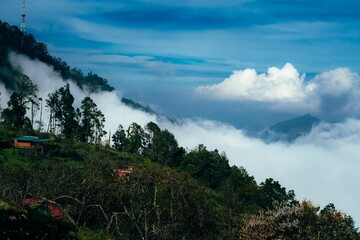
(332, 95)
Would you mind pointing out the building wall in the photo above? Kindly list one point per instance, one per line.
(22, 144)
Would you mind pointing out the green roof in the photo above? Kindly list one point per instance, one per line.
(31, 139)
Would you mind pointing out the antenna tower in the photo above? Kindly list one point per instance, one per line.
(22, 27)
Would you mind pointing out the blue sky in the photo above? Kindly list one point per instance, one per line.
(160, 52)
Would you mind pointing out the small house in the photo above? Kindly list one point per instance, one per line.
(123, 172)
(28, 141)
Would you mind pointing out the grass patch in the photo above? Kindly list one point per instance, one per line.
(13, 156)
(85, 233)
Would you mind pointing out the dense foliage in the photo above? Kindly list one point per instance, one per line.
(198, 196)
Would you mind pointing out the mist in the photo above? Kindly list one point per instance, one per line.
(109, 103)
(322, 166)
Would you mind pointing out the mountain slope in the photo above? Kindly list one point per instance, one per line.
(302, 124)
(291, 129)
(13, 40)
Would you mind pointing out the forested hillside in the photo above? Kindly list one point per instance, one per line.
(12, 39)
(68, 183)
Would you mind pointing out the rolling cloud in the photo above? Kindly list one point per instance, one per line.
(322, 166)
(110, 103)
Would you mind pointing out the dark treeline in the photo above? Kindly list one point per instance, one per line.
(84, 124)
(170, 193)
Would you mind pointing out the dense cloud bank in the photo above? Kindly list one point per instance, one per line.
(322, 166)
(332, 95)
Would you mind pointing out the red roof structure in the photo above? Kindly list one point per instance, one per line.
(123, 172)
(56, 212)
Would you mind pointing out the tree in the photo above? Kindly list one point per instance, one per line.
(27, 91)
(40, 122)
(335, 224)
(210, 167)
(55, 111)
(281, 222)
(34, 109)
(92, 122)
(68, 112)
(62, 113)
(1, 110)
(271, 191)
(26, 88)
(135, 139)
(99, 126)
(14, 115)
(300, 222)
(119, 138)
(238, 192)
(162, 146)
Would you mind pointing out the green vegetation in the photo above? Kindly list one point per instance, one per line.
(70, 187)
(135, 105)
(171, 193)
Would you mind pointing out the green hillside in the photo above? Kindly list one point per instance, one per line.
(170, 194)
(13, 40)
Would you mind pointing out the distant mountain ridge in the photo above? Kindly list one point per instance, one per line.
(137, 106)
(300, 124)
(291, 129)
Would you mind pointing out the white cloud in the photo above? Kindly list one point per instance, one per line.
(284, 84)
(41, 74)
(48, 81)
(4, 96)
(337, 82)
(116, 112)
(332, 95)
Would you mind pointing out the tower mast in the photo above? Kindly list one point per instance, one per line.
(23, 14)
